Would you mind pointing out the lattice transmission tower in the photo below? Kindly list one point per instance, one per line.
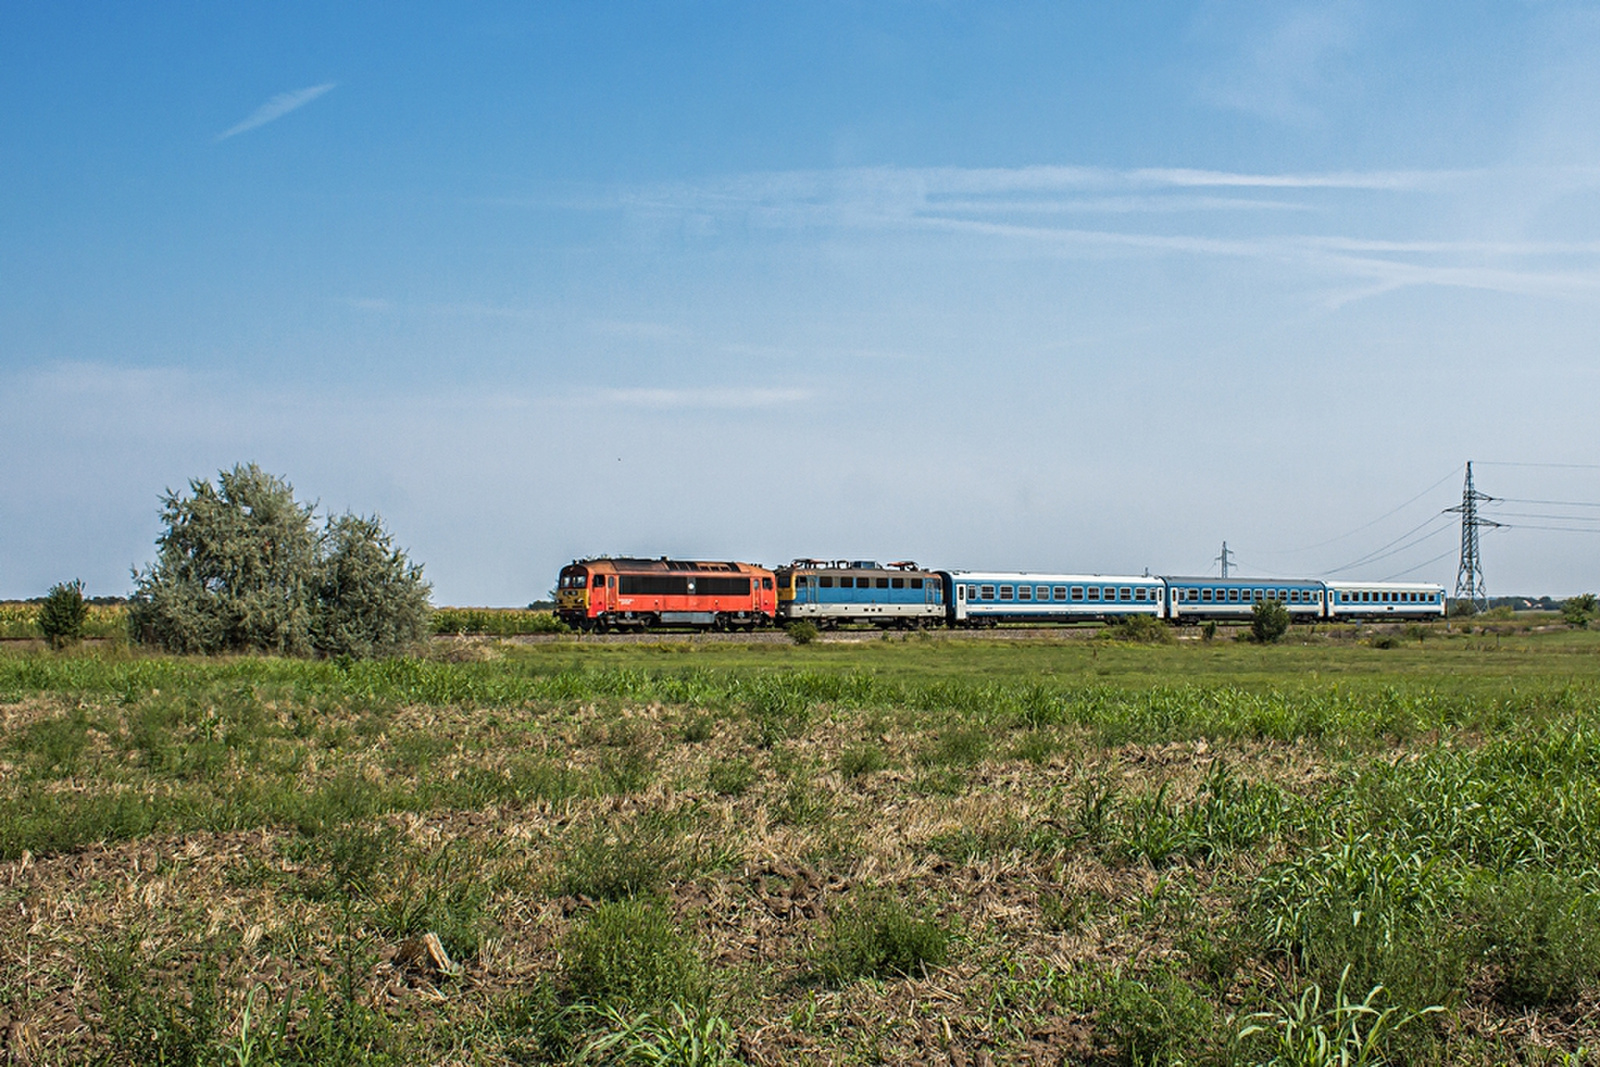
(1226, 559)
(1469, 576)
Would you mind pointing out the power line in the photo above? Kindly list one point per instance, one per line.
(1552, 503)
(1558, 529)
(1374, 522)
(1375, 554)
(1552, 466)
(1418, 567)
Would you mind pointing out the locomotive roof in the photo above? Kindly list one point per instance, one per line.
(663, 564)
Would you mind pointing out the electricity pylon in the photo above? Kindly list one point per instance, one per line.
(1469, 576)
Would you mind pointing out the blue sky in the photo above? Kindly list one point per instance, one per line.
(998, 285)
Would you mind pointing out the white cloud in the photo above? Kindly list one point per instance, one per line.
(276, 108)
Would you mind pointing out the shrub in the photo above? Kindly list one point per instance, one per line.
(240, 568)
(1146, 629)
(874, 934)
(630, 955)
(1269, 620)
(370, 600)
(1161, 1019)
(1208, 632)
(1576, 610)
(1541, 935)
(802, 633)
(1461, 608)
(602, 866)
(62, 614)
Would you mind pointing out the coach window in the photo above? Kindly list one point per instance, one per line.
(1077, 592)
(1233, 594)
(1005, 592)
(897, 583)
(1024, 592)
(988, 592)
(1138, 594)
(1060, 592)
(1094, 592)
(1127, 593)
(1205, 594)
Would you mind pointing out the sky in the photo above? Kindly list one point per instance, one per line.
(1070, 287)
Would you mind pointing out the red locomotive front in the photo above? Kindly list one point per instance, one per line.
(602, 594)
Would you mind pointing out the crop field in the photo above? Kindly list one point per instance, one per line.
(1344, 848)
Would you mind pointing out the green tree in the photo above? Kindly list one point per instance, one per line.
(241, 568)
(371, 600)
(1578, 610)
(62, 614)
(1269, 620)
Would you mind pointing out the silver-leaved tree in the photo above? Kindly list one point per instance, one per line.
(241, 567)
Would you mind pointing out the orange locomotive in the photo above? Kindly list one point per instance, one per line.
(602, 594)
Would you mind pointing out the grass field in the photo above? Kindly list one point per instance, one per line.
(908, 851)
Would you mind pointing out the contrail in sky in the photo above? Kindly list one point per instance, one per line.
(276, 108)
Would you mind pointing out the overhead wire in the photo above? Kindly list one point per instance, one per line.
(1381, 552)
(1419, 566)
(1321, 544)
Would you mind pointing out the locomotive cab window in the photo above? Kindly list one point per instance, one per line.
(766, 583)
(599, 581)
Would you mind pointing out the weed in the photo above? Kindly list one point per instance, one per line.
(873, 934)
(698, 729)
(1345, 1033)
(956, 746)
(1037, 746)
(860, 759)
(675, 1039)
(1156, 1019)
(730, 778)
(1540, 934)
(613, 865)
(629, 955)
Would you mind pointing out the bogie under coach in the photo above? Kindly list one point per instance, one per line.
(597, 595)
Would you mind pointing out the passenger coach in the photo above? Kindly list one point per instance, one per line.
(988, 598)
(1385, 600)
(1198, 599)
(602, 594)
